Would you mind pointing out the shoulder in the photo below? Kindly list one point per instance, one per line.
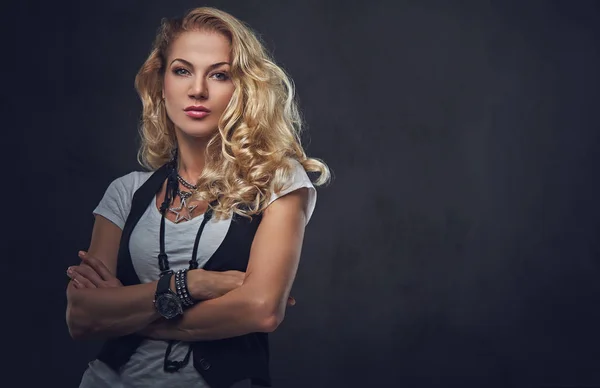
(116, 202)
(127, 184)
(296, 178)
(299, 175)
(134, 178)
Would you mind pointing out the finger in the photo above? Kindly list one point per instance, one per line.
(71, 275)
(76, 284)
(82, 282)
(291, 301)
(97, 265)
(88, 273)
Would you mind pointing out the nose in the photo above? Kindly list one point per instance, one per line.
(198, 89)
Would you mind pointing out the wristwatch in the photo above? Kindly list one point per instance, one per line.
(166, 302)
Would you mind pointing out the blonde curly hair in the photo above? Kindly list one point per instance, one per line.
(249, 157)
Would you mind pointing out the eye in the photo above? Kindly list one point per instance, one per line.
(221, 76)
(180, 71)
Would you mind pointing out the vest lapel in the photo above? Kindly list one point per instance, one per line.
(144, 195)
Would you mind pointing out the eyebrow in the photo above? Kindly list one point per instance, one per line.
(214, 65)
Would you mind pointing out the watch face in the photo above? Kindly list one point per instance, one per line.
(168, 305)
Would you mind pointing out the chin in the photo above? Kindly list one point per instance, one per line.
(198, 132)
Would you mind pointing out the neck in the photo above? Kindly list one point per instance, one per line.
(191, 157)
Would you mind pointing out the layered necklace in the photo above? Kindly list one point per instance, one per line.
(184, 211)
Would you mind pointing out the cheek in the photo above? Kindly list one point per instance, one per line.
(169, 86)
(225, 97)
(170, 93)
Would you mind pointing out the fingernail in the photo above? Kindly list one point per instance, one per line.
(69, 271)
(81, 253)
(76, 282)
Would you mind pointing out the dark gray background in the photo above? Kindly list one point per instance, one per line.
(458, 242)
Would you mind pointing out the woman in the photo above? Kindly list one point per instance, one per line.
(190, 264)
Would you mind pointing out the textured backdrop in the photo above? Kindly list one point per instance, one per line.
(458, 244)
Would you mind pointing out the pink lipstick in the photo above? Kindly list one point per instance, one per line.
(197, 111)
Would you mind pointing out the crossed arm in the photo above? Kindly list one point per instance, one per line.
(258, 304)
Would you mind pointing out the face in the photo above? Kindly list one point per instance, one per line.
(197, 85)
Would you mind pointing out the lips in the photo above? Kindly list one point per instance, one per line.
(197, 111)
(197, 108)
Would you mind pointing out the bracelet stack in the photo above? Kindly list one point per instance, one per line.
(181, 288)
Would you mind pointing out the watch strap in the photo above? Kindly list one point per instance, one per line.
(164, 283)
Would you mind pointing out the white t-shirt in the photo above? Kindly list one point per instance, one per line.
(145, 367)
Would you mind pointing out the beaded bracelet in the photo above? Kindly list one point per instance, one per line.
(182, 289)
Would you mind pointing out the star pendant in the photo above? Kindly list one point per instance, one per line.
(183, 211)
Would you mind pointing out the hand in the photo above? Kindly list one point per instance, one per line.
(92, 273)
(205, 285)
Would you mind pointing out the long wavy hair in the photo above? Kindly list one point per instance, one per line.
(249, 157)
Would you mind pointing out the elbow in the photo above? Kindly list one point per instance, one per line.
(80, 328)
(77, 331)
(80, 332)
(270, 324)
(269, 316)
(76, 323)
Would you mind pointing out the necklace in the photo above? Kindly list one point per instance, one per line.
(184, 211)
(186, 183)
(163, 260)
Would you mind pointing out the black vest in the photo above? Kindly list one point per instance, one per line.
(220, 362)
